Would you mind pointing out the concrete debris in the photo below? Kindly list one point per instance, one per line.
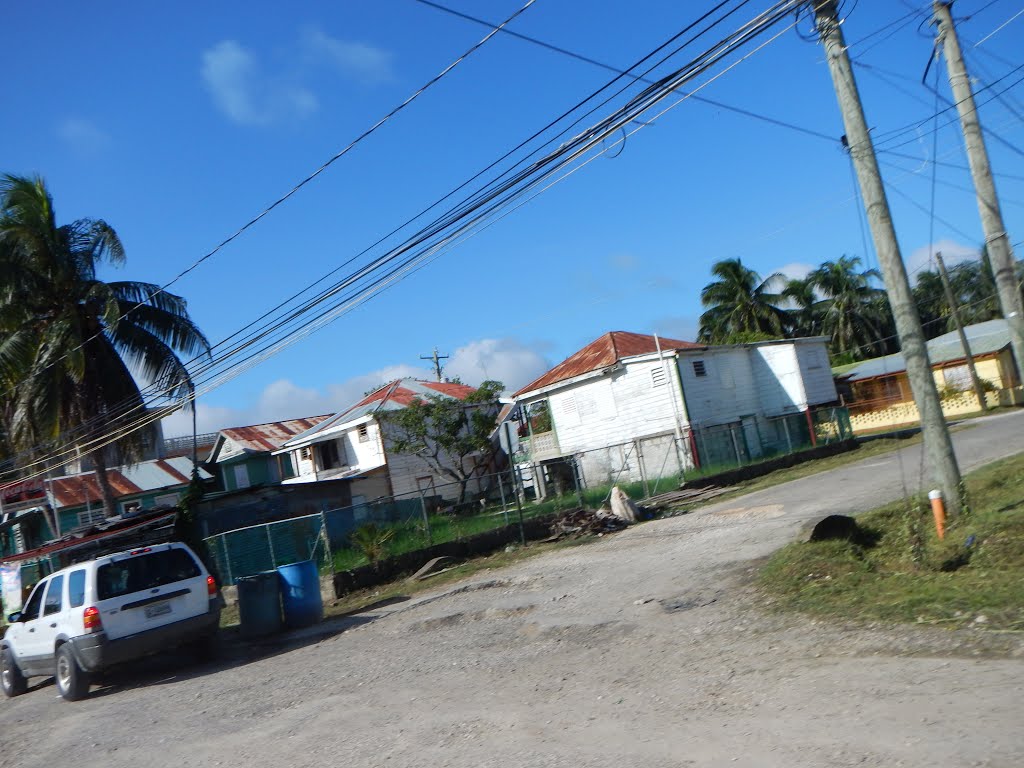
(581, 522)
(622, 506)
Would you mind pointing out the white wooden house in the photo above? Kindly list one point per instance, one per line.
(354, 446)
(628, 399)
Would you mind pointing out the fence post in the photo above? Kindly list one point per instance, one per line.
(501, 490)
(643, 469)
(327, 539)
(576, 480)
(426, 518)
(785, 428)
(270, 542)
(810, 428)
(227, 558)
(735, 446)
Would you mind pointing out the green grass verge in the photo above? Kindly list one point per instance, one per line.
(410, 536)
(946, 583)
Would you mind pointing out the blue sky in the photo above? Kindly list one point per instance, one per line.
(178, 123)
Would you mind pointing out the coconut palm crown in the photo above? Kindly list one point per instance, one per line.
(70, 342)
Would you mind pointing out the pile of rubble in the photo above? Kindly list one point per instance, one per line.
(582, 522)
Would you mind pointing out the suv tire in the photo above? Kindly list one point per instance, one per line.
(11, 679)
(72, 680)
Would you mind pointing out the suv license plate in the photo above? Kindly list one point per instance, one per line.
(157, 609)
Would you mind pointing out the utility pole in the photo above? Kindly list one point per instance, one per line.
(955, 311)
(997, 241)
(938, 446)
(436, 360)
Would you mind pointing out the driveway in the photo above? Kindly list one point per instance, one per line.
(649, 648)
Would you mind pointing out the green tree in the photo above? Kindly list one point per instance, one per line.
(804, 311)
(451, 436)
(851, 313)
(740, 302)
(69, 342)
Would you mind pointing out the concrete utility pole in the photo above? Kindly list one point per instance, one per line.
(938, 447)
(996, 240)
(955, 311)
(436, 360)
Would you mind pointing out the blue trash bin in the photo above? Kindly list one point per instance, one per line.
(300, 594)
(259, 604)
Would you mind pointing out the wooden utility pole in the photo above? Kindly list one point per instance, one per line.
(996, 239)
(954, 310)
(938, 446)
(436, 360)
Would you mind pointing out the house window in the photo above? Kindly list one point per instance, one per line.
(241, 476)
(699, 369)
(91, 516)
(305, 453)
(657, 377)
(284, 462)
(131, 508)
(332, 455)
(167, 500)
(957, 377)
(364, 433)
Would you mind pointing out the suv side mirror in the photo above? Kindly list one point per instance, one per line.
(14, 618)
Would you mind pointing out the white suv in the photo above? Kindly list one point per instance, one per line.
(90, 616)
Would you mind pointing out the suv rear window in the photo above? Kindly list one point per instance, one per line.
(144, 572)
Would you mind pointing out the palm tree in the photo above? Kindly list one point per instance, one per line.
(851, 312)
(804, 312)
(69, 342)
(740, 304)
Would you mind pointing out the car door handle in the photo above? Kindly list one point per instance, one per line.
(33, 629)
(52, 626)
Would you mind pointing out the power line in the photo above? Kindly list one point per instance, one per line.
(566, 153)
(610, 68)
(323, 167)
(943, 164)
(997, 29)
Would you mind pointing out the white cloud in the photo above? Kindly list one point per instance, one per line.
(284, 399)
(506, 360)
(952, 253)
(83, 136)
(796, 270)
(245, 94)
(625, 262)
(358, 61)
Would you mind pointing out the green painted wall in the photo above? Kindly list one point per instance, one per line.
(262, 471)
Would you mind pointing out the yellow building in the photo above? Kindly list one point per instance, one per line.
(879, 392)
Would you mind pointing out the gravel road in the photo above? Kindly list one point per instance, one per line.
(649, 648)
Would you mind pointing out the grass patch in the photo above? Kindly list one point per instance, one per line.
(909, 575)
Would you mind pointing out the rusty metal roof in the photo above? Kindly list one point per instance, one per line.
(390, 397)
(76, 490)
(602, 352)
(259, 438)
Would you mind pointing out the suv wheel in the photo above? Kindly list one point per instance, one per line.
(11, 679)
(72, 680)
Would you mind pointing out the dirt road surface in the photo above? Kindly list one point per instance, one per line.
(649, 648)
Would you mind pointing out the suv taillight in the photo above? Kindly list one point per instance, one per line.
(211, 586)
(91, 620)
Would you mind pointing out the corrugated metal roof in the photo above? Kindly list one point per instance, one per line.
(259, 438)
(984, 339)
(76, 490)
(602, 352)
(390, 397)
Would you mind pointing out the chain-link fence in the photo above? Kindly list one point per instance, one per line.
(347, 537)
(663, 461)
(351, 536)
